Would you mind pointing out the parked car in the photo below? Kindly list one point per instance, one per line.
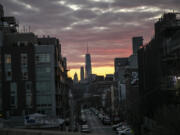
(126, 131)
(100, 116)
(82, 121)
(96, 113)
(114, 127)
(116, 120)
(85, 129)
(120, 129)
(106, 121)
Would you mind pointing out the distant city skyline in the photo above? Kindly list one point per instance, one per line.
(108, 26)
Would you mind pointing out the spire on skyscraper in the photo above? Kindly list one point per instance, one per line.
(87, 48)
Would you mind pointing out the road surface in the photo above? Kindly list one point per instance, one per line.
(96, 125)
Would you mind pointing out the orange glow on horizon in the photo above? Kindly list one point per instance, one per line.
(95, 70)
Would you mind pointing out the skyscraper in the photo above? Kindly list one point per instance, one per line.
(88, 65)
(75, 78)
(82, 73)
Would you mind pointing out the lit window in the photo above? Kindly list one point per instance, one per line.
(8, 59)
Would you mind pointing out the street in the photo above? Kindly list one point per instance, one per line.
(96, 125)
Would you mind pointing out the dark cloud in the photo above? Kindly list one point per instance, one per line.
(106, 25)
(135, 3)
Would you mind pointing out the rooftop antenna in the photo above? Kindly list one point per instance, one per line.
(24, 29)
(87, 48)
(29, 28)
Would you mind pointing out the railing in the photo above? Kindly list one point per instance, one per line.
(8, 131)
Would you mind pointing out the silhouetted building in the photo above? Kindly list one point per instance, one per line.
(7, 23)
(167, 21)
(159, 68)
(109, 77)
(99, 78)
(75, 78)
(82, 73)
(1, 11)
(65, 63)
(137, 42)
(93, 77)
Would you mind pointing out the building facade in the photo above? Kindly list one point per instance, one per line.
(33, 73)
(159, 69)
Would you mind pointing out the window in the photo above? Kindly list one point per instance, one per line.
(13, 99)
(43, 86)
(22, 43)
(13, 87)
(28, 100)
(24, 58)
(43, 69)
(7, 58)
(8, 74)
(43, 73)
(43, 100)
(28, 86)
(7, 67)
(42, 58)
(25, 75)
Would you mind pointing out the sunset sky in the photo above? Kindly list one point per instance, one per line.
(106, 25)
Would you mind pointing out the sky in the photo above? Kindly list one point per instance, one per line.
(107, 26)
